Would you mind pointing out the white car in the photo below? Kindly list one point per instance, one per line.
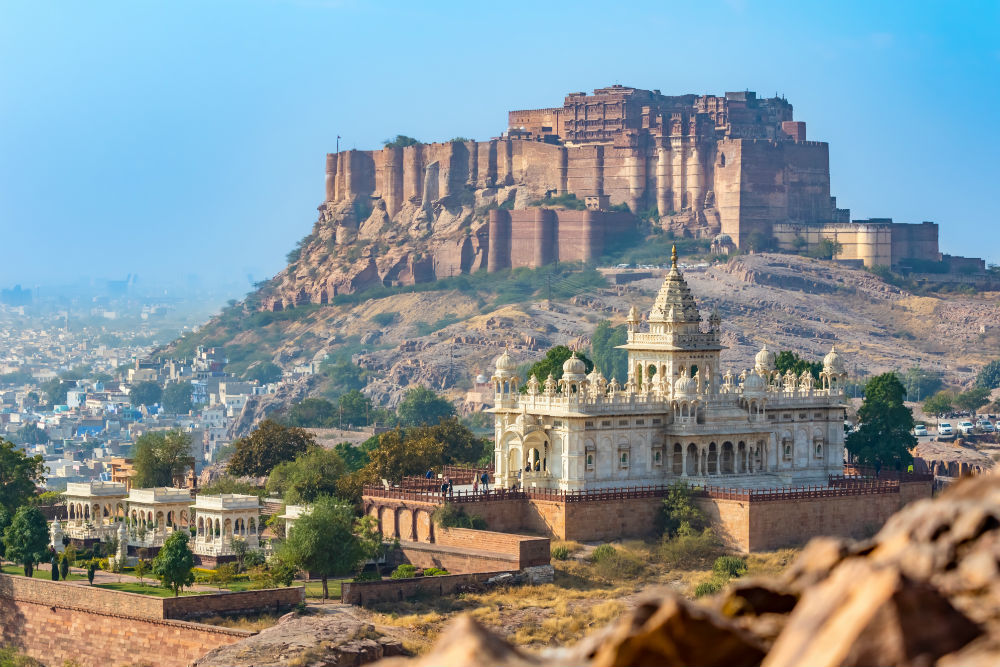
(965, 427)
(985, 425)
(944, 428)
(919, 430)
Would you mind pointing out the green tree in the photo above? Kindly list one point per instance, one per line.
(989, 375)
(373, 543)
(268, 445)
(788, 360)
(311, 475)
(356, 458)
(920, 383)
(4, 522)
(397, 456)
(973, 399)
(141, 568)
(826, 249)
(342, 376)
(939, 404)
(264, 372)
(177, 398)
(26, 540)
(553, 363)
(30, 434)
(174, 564)
(145, 393)
(54, 563)
(55, 391)
(885, 432)
(64, 565)
(324, 542)
(610, 361)
(312, 413)
(92, 567)
(354, 408)
(401, 141)
(460, 445)
(422, 406)
(19, 475)
(679, 514)
(159, 456)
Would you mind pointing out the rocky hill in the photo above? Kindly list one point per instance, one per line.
(448, 332)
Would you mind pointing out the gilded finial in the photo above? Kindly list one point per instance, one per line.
(673, 256)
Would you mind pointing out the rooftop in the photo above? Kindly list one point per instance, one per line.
(95, 489)
(160, 494)
(227, 501)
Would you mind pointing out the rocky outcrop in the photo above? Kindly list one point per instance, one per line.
(335, 639)
(924, 591)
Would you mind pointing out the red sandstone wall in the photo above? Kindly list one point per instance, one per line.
(370, 592)
(611, 519)
(55, 622)
(244, 602)
(457, 560)
(731, 520)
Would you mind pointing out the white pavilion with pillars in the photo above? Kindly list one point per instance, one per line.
(155, 513)
(221, 518)
(93, 509)
(676, 416)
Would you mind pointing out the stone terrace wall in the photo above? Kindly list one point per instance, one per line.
(392, 590)
(529, 551)
(55, 622)
(241, 602)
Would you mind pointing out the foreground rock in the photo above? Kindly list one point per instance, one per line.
(924, 591)
(335, 639)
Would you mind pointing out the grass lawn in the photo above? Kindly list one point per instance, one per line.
(41, 574)
(144, 589)
(314, 589)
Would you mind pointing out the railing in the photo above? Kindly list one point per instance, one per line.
(852, 470)
(839, 487)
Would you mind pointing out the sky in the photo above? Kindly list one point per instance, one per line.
(186, 140)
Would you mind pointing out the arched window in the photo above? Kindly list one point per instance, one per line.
(722, 159)
(590, 461)
(624, 459)
(657, 457)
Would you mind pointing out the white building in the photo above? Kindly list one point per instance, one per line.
(678, 416)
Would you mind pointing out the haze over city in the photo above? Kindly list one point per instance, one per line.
(188, 139)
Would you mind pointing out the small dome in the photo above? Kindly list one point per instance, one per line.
(685, 385)
(754, 383)
(504, 363)
(574, 366)
(765, 359)
(832, 363)
(633, 314)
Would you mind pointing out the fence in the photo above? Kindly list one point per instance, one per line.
(868, 472)
(838, 486)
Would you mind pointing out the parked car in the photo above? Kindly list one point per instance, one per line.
(965, 427)
(944, 428)
(985, 425)
(919, 430)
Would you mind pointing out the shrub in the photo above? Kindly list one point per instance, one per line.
(679, 515)
(690, 550)
(603, 552)
(560, 553)
(450, 515)
(404, 571)
(730, 566)
(710, 587)
(367, 575)
(434, 572)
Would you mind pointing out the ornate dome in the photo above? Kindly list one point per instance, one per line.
(685, 385)
(574, 366)
(504, 363)
(765, 359)
(674, 302)
(832, 363)
(754, 383)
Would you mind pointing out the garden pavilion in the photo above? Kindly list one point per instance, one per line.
(221, 518)
(155, 513)
(92, 508)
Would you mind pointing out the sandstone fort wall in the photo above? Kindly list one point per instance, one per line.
(371, 592)
(54, 622)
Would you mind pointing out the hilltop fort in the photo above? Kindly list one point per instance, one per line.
(736, 168)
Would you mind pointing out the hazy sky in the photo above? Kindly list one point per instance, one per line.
(177, 138)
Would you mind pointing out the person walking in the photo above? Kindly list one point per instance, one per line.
(475, 485)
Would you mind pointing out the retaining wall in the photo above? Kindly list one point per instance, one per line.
(392, 590)
(57, 621)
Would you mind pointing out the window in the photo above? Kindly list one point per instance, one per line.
(802, 415)
(658, 458)
(657, 422)
(588, 424)
(590, 461)
(623, 422)
(819, 451)
(606, 422)
(640, 422)
(817, 415)
(788, 451)
(556, 423)
(624, 459)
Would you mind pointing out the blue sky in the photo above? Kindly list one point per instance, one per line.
(172, 139)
